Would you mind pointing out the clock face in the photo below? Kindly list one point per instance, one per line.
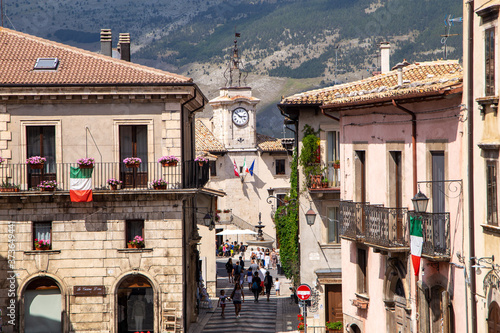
(240, 116)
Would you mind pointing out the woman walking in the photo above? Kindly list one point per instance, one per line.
(268, 283)
(256, 288)
(238, 297)
(274, 259)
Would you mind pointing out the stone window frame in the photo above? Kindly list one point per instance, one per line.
(395, 146)
(128, 236)
(140, 121)
(58, 132)
(34, 229)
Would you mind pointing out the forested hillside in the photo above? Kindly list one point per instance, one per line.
(289, 45)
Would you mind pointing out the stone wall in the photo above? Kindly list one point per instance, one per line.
(89, 248)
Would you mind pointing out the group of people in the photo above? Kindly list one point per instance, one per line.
(260, 281)
(229, 249)
(265, 257)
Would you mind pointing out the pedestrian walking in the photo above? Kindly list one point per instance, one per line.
(274, 259)
(222, 301)
(267, 258)
(229, 270)
(277, 286)
(236, 272)
(262, 274)
(242, 262)
(253, 266)
(268, 284)
(249, 279)
(238, 297)
(256, 288)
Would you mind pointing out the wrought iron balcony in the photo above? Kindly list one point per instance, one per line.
(375, 225)
(189, 174)
(436, 234)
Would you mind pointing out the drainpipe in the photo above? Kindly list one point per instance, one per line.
(470, 156)
(413, 141)
(329, 115)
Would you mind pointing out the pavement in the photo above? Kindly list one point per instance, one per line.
(277, 315)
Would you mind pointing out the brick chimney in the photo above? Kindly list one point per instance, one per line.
(124, 46)
(385, 54)
(106, 39)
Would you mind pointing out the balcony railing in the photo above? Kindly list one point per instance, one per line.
(436, 234)
(374, 224)
(185, 175)
(383, 227)
(327, 178)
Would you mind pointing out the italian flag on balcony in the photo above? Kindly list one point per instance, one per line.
(416, 242)
(80, 185)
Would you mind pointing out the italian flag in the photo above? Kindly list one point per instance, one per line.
(80, 185)
(416, 242)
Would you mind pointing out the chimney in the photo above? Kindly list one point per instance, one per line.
(106, 42)
(385, 54)
(124, 46)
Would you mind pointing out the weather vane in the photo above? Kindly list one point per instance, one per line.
(235, 72)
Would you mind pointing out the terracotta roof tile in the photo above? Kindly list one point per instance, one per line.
(269, 144)
(19, 52)
(206, 141)
(418, 78)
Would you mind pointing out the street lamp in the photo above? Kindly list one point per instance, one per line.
(310, 216)
(207, 219)
(420, 202)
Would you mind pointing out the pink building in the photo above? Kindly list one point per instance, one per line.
(400, 132)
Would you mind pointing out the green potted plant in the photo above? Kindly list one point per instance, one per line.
(8, 187)
(336, 164)
(324, 182)
(335, 326)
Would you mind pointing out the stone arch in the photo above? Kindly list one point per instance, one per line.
(116, 298)
(494, 318)
(396, 292)
(353, 328)
(43, 278)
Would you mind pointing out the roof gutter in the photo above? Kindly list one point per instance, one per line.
(329, 115)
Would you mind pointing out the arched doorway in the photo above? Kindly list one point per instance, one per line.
(42, 306)
(397, 319)
(494, 318)
(135, 299)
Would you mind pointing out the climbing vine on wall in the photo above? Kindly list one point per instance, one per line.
(287, 221)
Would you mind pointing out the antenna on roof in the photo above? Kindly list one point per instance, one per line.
(448, 23)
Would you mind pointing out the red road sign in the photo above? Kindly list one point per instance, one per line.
(303, 292)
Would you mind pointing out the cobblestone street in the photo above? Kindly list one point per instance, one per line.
(277, 315)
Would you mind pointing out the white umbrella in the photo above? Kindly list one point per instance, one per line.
(236, 232)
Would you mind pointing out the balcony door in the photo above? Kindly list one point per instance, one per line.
(134, 143)
(438, 198)
(41, 141)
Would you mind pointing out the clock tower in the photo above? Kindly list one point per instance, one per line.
(234, 113)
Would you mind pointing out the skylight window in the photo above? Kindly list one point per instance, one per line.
(47, 63)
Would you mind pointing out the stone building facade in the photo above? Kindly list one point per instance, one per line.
(65, 104)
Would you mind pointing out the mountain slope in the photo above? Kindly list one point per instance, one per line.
(290, 45)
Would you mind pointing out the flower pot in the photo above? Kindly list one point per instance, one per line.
(37, 166)
(9, 190)
(48, 189)
(81, 166)
(43, 248)
(132, 165)
(133, 246)
(201, 163)
(168, 164)
(160, 187)
(113, 187)
(336, 166)
(324, 185)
